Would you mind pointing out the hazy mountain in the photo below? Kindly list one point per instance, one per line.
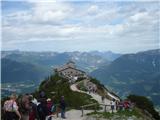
(84, 60)
(109, 55)
(133, 73)
(14, 72)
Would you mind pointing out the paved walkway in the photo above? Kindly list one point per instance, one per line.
(95, 96)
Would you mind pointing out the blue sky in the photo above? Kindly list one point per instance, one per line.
(119, 26)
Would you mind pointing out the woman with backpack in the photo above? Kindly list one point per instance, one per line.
(11, 109)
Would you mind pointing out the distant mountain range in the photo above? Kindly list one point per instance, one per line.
(20, 66)
(109, 55)
(87, 61)
(15, 72)
(133, 74)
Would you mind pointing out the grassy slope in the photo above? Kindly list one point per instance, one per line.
(61, 87)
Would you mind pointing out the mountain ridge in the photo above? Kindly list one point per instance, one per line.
(13, 71)
(137, 73)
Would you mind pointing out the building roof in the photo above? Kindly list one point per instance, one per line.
(70, 68)
(70, 61)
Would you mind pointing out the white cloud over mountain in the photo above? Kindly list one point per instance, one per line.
(68, 26)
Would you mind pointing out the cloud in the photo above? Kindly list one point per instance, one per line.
(84, 25)
(93, 9)
(50, 12)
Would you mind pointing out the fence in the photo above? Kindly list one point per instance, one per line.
(95, 105)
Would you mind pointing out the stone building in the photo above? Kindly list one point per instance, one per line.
(70, 71)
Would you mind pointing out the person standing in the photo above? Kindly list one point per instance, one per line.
(11, 109)
(42, 109)
(63, 107)
(113, 105)
(49, 106)
(33, 114)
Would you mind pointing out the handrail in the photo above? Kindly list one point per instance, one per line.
(94, 104)
(88, 105)
(84, 106)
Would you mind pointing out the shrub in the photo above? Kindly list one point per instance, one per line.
(144, 104)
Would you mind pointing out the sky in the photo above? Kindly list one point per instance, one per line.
(69, 25)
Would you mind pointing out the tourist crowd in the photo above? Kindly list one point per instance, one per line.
(27, 107)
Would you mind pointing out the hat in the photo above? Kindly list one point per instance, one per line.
(49, 99)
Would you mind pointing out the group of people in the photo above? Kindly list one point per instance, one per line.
(125, 105)
(26, 107)
(92, 89)
(121, 105)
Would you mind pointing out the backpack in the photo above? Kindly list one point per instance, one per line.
(53, 108)
(40, 108)
(8, 105)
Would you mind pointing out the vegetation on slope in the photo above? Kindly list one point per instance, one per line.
(145, 104)
(60, 86)
(123, 114)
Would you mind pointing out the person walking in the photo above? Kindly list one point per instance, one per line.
(11, 109)
(63, 107)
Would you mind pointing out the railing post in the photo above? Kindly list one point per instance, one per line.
(105, 108)
(95, 107)
(82, 111)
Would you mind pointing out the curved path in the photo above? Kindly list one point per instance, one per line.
(76, 114)
(95, 96)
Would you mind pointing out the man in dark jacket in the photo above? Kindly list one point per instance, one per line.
(42, 109)
(63, 107)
